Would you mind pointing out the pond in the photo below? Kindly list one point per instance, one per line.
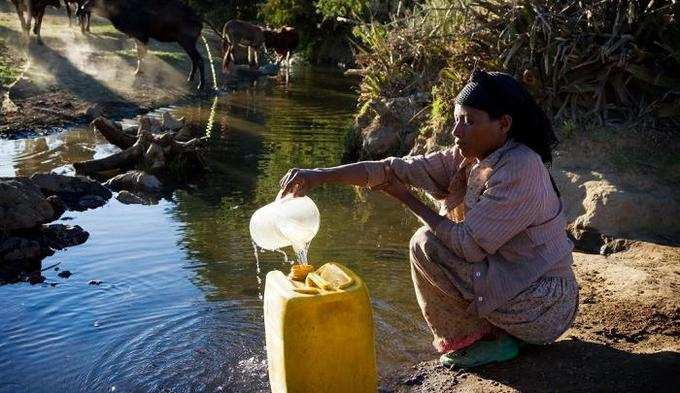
(180, 308)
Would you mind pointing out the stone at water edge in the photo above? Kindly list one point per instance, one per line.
(22, 205)
(71, 189)
(60, 236)
(135, 180)
(130, 198)
(64, 274)
(18, 249)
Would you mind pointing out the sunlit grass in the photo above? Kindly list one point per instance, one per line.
(9, 69)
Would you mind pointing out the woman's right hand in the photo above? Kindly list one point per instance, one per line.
(299, 182)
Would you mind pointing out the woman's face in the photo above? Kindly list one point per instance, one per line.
(476, 134)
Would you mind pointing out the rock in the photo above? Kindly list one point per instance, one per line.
(91, 202)
(35, 278)
(389, 126)
(586, 240)
(616, 245)
(135, 181)
(130, 198)
(8, 107)
(58, 206)
(602, 203)
(17, 249)
(94, 282)
(22, 205)
(169, 123)
(382, 137)
(64, 274)
(60, 236)
(71, 189)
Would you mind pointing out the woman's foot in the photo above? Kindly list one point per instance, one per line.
(480, 353)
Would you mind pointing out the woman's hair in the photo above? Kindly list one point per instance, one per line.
(500, 94)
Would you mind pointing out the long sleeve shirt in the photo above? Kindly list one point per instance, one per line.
(503, 215)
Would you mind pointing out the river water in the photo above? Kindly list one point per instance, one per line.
(180, 305)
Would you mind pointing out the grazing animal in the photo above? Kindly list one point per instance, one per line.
(162, 20)
(238, 32)
(35, 10)
(84, 19)
(283, 41)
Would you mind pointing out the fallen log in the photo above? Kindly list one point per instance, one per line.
(151, 151)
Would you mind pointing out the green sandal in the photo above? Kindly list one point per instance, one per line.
(482, 352)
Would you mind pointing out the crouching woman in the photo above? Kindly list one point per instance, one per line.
(491, 269)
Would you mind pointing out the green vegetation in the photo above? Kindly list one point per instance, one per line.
(587, 62)
(9, 65)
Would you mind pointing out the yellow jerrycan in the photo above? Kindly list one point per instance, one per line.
(319, 332)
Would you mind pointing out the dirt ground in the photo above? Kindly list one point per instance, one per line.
(72, 71)
(626, 336)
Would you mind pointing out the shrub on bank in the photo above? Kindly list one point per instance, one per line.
(585, 61)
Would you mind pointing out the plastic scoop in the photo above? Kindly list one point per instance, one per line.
(288, 221)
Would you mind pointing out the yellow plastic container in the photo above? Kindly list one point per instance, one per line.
(319, 333)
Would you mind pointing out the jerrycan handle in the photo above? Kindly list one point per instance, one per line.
(329, 278)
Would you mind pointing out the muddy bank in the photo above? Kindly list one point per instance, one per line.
(626, 336)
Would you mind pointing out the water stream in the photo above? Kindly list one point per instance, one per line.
(180, 304)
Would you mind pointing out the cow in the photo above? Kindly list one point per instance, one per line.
(84, 19)
(162, 20)
(238, 32)
(283, 41)
(35, 10)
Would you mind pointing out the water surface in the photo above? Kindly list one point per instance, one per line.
(180, 305)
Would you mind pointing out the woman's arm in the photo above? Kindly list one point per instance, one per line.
(300, 181)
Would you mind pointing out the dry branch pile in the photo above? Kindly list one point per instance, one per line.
(157, 149)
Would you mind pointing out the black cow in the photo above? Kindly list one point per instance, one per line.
(84, 19)
(162, 20)
(35, 10)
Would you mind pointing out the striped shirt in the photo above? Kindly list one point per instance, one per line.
(504, 216)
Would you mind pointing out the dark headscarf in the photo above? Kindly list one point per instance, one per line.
(500, 94)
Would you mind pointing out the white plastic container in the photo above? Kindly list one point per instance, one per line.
(288, 221)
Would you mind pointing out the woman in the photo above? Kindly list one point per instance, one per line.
(493, 269)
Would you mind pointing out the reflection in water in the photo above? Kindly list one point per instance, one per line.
(180, 307)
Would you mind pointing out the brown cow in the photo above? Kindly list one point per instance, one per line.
(237, 32)
(283, 41)
(35, 10)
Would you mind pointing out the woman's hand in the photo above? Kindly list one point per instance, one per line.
(299, 182)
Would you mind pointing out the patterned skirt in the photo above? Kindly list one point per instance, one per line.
(443, 286)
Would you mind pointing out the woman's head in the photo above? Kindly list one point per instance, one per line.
(494, 107)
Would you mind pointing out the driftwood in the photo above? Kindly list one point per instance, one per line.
(150, 151)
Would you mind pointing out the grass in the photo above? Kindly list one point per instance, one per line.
(9, 65)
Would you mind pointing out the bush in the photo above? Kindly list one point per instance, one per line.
(583, 60)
